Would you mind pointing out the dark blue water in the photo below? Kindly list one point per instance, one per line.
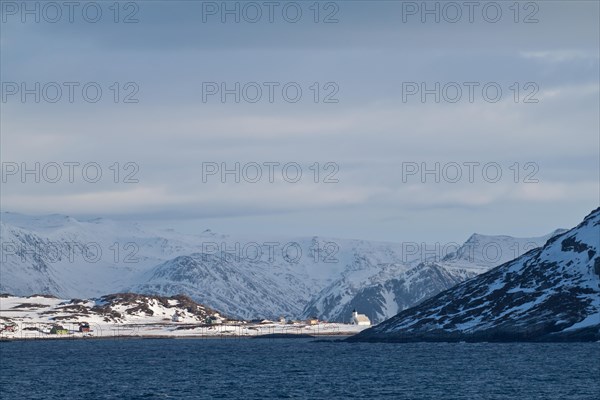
(295, 368)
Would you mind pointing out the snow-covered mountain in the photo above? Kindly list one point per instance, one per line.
(249, 288)
(549, 293)
(381, 291)
(246, 277)
(484, 252)
(236, 285)
(62, 256)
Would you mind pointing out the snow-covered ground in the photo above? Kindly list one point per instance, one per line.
(180, 330)
(34, 317)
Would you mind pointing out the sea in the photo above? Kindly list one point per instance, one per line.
(296, 368)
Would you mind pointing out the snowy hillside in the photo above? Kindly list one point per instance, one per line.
(550, 293)
(248, 288)
(484, 252)
(381, 291)
(116, 308)
(238, 286)
(62, 256)
(136, 315)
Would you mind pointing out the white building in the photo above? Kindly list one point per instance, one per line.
(360, 319)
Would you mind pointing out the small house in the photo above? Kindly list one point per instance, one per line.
(59, 330)
(312, 321)
(84, 327)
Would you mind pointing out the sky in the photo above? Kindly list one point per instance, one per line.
(379, 120)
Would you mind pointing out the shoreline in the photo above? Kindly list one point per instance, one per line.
(175, 337)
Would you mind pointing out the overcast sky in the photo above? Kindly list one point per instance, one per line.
(369, 132)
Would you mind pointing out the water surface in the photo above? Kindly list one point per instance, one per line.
(296, 368)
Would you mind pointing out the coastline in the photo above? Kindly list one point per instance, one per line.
(40, 331)
(340, 336)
